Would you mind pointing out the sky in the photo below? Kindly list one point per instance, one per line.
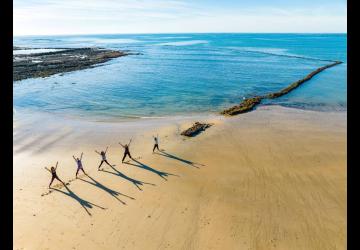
(61, 17)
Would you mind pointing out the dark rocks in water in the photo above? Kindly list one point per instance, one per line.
(196, 129)
(299, 82)
(245, 106)
(55, 62)
(249, 103)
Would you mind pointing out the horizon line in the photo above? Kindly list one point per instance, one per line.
(160, 33)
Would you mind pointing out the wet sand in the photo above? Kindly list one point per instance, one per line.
(270, 179)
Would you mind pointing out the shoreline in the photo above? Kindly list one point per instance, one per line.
(28, 112)
(275, 177)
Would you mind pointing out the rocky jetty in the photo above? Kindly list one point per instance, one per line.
(196, 129)
(245, 106)
(296, 84)
(61, 61)
(249, 103)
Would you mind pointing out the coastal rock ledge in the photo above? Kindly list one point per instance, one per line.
(196, 129)
(60, 61)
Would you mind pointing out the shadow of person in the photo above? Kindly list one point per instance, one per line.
(85, 204)
(143, 166)
(106, 189)
(137, 183)
(171, 156)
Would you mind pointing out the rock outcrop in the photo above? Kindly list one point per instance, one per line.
(55, 62)
(196, 129)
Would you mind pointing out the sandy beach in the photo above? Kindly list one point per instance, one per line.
(274, 178)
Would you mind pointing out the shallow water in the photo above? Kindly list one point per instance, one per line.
(179, 74)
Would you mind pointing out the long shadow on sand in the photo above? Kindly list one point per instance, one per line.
(143, 166)
(137, 183)
(106, 189)
(171, 156)
(85, 204)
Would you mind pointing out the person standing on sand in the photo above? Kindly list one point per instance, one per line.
(103, 157)
(79, 165)
(54, 176)
(156, 145)
(127, 151)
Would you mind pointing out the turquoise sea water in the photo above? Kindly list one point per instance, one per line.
(180, 74)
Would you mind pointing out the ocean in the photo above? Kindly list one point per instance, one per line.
(184, 74)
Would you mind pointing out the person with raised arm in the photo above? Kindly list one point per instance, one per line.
(79, 165)
(103, 157)
(127, 150)
(54, 176)
(156, 143)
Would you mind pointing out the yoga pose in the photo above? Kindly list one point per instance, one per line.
(79, 165)
(103, 157)
(127, 151)
(156, 145)
(54, 176)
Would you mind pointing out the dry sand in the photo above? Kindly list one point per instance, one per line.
(270, 179)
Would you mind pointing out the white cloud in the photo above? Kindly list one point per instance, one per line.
(159, 16)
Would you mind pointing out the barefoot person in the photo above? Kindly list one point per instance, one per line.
(156, 145)
(54, 176)
(127, 151)
(103, 157)
(79, 165)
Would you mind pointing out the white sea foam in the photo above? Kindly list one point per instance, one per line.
(173, 37)
(183, 43)
(115, 40)
(270, 51)
(33, 51)
(102, 40)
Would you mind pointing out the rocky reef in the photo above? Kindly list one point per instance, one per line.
(60, 61)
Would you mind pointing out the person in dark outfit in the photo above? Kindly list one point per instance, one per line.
(54, 176)
(156, 145)
(127, 150)
(103, 157)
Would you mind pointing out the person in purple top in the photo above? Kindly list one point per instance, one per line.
(79, 165)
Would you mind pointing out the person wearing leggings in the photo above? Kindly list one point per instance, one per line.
(54, 176)
(156, 141)
(79, 164)
(103, 157)
(127, 150)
